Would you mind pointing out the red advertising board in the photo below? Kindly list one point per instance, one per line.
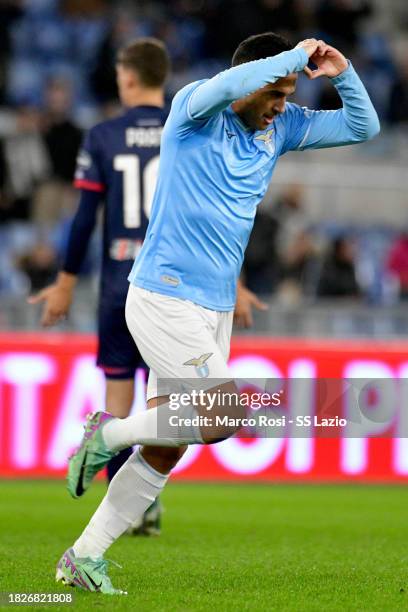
(48, 382)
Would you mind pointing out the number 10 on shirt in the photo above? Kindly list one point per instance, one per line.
(138, 187)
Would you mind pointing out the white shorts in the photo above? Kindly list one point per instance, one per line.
(178, 340)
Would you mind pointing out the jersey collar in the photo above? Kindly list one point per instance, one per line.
(238, 120)
(256, 133)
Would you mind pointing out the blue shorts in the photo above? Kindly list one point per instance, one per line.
(118, 355)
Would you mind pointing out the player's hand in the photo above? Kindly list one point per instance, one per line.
(57, 300)
(311, 46)
(329, 61)
(246, 300)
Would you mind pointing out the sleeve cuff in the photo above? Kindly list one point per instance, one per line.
(90, 185)
(303, 57)
(343, 75)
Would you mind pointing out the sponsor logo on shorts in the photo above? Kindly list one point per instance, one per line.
(200, 365)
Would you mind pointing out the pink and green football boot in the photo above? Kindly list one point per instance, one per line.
(90, 457)
(85, 573)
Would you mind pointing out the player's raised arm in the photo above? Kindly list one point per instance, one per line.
(241, 80)
(356, 122)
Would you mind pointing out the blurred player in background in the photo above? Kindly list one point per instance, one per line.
(219, 149)
(117, 167)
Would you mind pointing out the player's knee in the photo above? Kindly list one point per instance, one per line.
(163, 458)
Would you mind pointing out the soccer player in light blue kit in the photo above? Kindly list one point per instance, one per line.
(219, 148)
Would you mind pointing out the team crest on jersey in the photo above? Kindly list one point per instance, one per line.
(200, 365)
(267, 140)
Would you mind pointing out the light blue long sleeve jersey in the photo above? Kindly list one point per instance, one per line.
(214, 171)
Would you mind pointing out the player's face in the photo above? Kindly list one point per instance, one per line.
(259, 109)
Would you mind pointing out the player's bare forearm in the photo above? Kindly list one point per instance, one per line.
(66, 280)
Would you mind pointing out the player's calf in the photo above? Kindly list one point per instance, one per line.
(161, 458)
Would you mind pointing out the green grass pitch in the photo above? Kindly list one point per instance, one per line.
(223, 548)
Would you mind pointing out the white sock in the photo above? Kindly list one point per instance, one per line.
(152, 428)
(131, 492)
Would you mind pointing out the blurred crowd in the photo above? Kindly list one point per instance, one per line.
(77, 41)
(294, 259)
(57, 78)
